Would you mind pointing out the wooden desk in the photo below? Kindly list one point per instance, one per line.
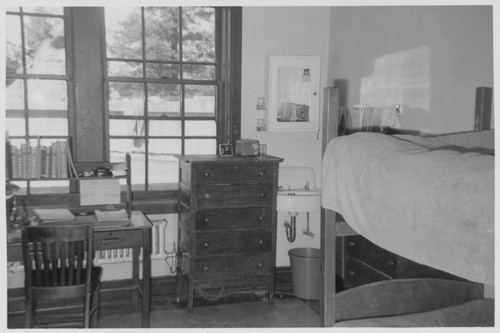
(135, 236)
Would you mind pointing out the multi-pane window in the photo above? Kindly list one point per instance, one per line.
(162, 85)
(37, 86)
(152, 82)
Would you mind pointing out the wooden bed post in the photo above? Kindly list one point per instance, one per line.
(327, 301)
(482, 117)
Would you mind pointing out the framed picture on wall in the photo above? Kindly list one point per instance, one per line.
(294, 93)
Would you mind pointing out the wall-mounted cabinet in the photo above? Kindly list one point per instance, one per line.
(294, 93)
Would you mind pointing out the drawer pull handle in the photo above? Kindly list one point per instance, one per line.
(261, 242)
(207, 196)
(261, 174)
(205, 244)
(206, 174)
(262, 195)
(260, 265)
(351, 273)
(391, 263)
(351, 243)
(111, 240)
(206, 220)
(261, 218)
(205, 269)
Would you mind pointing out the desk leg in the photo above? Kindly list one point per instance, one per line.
(146, 278)
(135, 275)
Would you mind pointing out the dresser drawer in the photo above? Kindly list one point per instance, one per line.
(233, 266)
(233, 173)
(234, 242)
(234, 195)
(366, 251)
(233, 219)
(357, 273)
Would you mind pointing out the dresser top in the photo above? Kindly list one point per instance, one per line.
(229, 159)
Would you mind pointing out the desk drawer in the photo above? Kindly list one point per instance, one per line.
(210, 243)
(233, 173)
(105, 240)
(212, 196)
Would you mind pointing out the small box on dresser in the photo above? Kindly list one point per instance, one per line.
(227, 222)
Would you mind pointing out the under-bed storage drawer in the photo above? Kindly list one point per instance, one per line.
(359, 247)
(366, 262)
(358, 273)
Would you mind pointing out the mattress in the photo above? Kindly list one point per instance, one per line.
(428, 199)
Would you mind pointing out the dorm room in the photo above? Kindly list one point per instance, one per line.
(146, 117)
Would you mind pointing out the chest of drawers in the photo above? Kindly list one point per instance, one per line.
(227, 222)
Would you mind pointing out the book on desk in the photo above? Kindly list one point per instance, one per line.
(111, 218)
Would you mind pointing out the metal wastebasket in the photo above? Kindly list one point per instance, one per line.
(306, 272)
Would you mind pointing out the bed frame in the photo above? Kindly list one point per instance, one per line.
(390, 297)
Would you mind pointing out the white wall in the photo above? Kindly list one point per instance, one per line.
(428, 58)
(283, 31)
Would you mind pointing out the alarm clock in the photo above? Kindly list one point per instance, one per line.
(247, 147)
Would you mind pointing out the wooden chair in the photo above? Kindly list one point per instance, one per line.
(58, 261)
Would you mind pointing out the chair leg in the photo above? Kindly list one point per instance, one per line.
(29, 312)
(95, 308)
(87, 309)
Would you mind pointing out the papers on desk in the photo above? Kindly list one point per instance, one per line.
(112, 219)
(54, 214)
(111, 215)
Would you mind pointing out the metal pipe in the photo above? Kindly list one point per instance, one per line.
(290, 228)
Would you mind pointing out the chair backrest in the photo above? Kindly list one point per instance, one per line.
(58, 259)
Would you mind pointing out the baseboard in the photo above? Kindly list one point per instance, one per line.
(116, 296)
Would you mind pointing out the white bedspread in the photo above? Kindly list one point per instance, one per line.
(430, 200)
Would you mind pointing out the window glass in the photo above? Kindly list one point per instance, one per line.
(47, 95)
(14, 94)
(162, 33)
(123, 32)
(163, 71)
(45, 45)
(199, 72)
(201, 128)
(198, 29)
(165, 128)
(125, 68)
(126, 99)
(200, 101)
(155, 111)
(201, 146)
(13, 51)
(164, 100)
(37, 90)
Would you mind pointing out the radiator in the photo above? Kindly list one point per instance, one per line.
(158, 249)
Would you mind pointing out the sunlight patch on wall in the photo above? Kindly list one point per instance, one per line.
(402, 78)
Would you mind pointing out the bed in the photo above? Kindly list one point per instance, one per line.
(427, 199)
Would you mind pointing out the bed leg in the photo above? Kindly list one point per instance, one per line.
(327, 298)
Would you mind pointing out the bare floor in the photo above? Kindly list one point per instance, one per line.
(286, 312)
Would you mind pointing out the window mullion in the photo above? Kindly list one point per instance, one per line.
(146, 96)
